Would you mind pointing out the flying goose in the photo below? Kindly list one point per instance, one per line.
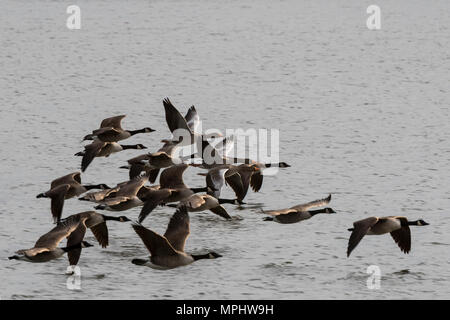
(111, 130)
(397, 226)
(203, 202)
(126, 196)
(168, 251)
(99, 148)
(300, 212)
(182, 127)
(66, 187)
(46, 248)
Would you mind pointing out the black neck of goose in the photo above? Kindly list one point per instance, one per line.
(106, 218)
(129, 146)
(197, 190)
(96, 186)
(73, 247)
(133, 132)
(227, 201)
(200, 256)
(313, 212)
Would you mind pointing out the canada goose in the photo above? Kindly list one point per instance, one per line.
(300, 212)
(151, 163)
(96, 222)
(99, 148)
(152, 197)
(46, 248)
(111, 130)
(398, 227)
(182, 127)
(66, 187)
(203, 202)
(168, 251)
(126, 197)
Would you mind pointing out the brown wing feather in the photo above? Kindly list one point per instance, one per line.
(219, 210)
(360, 229)
(402, 237)
(312, 204)
(74, 238)
(178, 228)
(172, 177)
(156, 244)
(235, 182)
(256, 181)
(52, 238)
(57, 196)
(115, 122)
(100, 232)
(90, 152)
(174, 118)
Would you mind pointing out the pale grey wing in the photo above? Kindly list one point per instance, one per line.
(90, 152)
(280, 212)
(402, 236)
(193, 120)
(52, 238)
(168, 147)
(156, 244)
(215, 179)
(195, 201)
(151, 200)
(219, 210)
(57, 196)
(75, 238)
(67, 179)
(178, 228)
(172, 177)
(174, 118)
(100, 232)
(360, 229)
(115, 122)
(312, 204)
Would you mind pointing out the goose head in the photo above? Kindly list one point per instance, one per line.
(140, 146)
(124, 219)
(283, 165)
(329, 210)
(147, 130)
(421, 223)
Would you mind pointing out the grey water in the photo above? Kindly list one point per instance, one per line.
(363, 114)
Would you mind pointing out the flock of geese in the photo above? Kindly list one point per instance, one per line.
(167, 251)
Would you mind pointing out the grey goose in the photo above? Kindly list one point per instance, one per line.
(397, 226)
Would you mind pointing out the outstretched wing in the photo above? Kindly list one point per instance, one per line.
(114, 122)
(312, 204)
(178, 228)
(174, 118)
(156, 244)
(192, 119)
(360, 229)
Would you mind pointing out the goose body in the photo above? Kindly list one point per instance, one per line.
(167, 251)
(299, 212)
(111, 130)
(66, 187)
(397, 226)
